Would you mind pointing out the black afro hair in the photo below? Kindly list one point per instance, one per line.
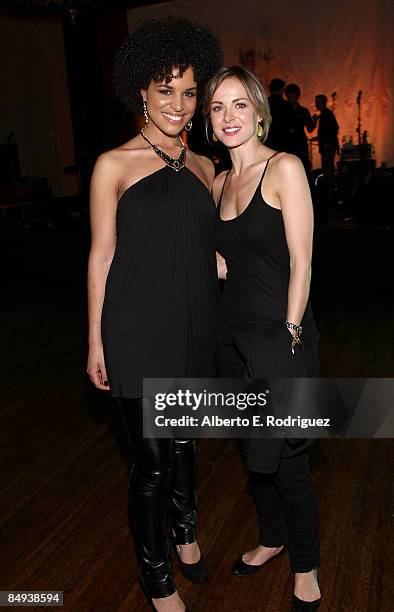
(154, 48)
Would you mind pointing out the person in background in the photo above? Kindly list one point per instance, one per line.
(327, 135)
(300, 120)
(279, 137)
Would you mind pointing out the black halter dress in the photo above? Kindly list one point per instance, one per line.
(160, 307)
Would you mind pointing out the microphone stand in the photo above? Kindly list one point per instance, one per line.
(359, 121)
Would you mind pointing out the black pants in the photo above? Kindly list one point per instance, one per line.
(162, 497)
(287, 509)
(283, 489)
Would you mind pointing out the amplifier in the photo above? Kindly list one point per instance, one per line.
(356, 152)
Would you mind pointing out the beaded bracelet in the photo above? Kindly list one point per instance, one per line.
(297, 328)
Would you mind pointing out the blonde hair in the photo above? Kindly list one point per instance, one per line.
(254, 90)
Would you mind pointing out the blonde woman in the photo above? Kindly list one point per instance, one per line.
(264, 228)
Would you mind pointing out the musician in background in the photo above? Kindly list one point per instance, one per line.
(300, 119)
(327, 136)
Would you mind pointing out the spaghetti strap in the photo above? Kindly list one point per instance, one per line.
(265, 168)
(221, 193)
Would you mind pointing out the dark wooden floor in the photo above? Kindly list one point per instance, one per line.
(63, 459)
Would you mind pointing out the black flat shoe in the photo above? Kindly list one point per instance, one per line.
(195, 572)
(299, 605)
(240, 568)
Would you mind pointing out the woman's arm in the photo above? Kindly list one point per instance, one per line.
(103, 204)
(297, 211)
(221, 266)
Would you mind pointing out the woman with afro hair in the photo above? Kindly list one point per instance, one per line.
(152, 282)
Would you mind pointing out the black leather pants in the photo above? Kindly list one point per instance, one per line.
(162, 497)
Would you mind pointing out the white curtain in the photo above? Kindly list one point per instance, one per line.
(324, 46)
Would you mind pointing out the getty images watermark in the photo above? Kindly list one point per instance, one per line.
(209, 401)
(269, 408)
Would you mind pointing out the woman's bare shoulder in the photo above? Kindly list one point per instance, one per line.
(204, 165)
(119, 165)
(130, 150)
(204, 161)
(287, 164)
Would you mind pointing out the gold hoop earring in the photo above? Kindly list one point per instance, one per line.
(188, 126)
(145, 112)
(211, 139)
(259, 131)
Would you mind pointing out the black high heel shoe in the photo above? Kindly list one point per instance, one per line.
(240, 568)
(195, 572)
(299, 605)
(149, 597)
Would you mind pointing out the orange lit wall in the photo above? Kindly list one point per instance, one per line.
(325, 46)
(35, 102)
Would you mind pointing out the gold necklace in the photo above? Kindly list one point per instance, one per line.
(176, 163)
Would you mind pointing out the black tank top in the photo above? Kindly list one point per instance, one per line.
(258, 265)
(161, 296)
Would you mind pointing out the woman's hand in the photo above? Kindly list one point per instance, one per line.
(293, 342)
(96, 367)
(295, 339)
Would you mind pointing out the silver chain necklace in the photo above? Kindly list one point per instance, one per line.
(176, 163)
